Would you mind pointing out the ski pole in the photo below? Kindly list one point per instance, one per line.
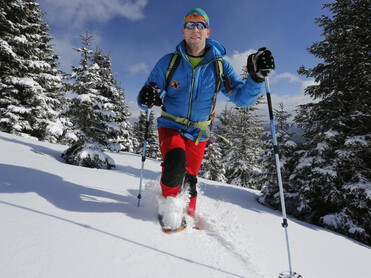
(275, 148)
(144, 154)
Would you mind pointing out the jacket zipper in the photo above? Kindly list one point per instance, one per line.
(192, 84)
(190, 98)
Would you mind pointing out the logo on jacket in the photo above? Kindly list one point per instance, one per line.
(175, 84)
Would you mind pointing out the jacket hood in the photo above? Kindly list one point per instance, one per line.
(217, 49)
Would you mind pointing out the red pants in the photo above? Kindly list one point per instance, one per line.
(180, 156)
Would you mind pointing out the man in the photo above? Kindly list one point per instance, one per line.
(188, 102)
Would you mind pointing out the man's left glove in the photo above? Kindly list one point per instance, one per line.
(148, 95)
(260, 64)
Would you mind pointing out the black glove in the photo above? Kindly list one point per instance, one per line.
(148, 95)
(260, 64)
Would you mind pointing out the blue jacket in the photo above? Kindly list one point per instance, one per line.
(193, 99)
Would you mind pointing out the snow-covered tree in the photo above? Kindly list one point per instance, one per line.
(243, 128)
(287, 155)
(30, 83)
(333, 177)
(88, 113)
(114, 111)
(222, 130)
(212, 167)
(152, 147)
(243, 160)
(213, 163)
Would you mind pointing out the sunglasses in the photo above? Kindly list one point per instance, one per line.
(200, 25)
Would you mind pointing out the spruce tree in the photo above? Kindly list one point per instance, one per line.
(212, 167)
(30, 83)
(225, 129)
(213, 163)
(152, 147)
(243, 161)
(114, 111)
(88, 113)
(333, 177)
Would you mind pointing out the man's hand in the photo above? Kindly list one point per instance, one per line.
(260, 64)
(148, 95)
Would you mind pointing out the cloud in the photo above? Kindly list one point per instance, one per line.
(290, 102)
(238, 60)
(138, 68)
(67, 16)
(286, 75)
(307, 83)
(77, 12)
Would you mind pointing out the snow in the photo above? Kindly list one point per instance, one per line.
(50, 77)
(38, 64)
(21, 39)
(334, 220)
(59, 220)
(26, 82)
(7, 48)
(290, 144)
(71, 135)
(362, 185)
(356, 139)
(172, 209)
(114, 147)
(322, 146)
(325, 171)
(305, 162)
(106, 113)
(113, 126)
(84, 98)
(331, 133)
(94, 151)
(55, 128)
(19, 109)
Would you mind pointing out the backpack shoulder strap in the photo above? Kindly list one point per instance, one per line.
(219, 78)
(174, 63)
(218, 72)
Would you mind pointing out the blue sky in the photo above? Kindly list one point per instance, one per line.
(137, 33)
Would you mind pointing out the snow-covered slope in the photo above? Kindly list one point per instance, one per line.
(58, 220)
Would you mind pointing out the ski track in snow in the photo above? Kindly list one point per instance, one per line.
(220, 230)
(215, 229)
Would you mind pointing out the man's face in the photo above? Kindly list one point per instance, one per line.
(196, 37)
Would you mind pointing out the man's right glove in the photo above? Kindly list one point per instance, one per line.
(148, 95)
(260, 64)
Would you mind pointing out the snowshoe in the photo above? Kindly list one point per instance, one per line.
(168, 229)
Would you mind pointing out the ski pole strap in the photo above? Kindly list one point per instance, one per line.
(203, 125)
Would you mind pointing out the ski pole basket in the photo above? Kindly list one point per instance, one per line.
(287, 274)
